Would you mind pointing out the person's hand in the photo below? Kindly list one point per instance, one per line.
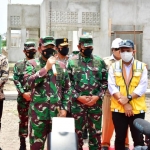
(84, 99)
(27, 96)
(62, 113)
(128, 110)
(50, 62)
(92, 101)
(123, 100)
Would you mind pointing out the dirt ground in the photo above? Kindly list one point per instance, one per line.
(9, 139)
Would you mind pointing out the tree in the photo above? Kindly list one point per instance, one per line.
(4, 43)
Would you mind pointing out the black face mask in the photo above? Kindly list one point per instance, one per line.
(48, 52)
(64, 51)
(87, 52)
(30, 54)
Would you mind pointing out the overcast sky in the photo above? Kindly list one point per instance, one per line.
(3, 11)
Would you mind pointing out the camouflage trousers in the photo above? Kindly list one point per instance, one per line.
(90, 117)
(39, 129)
(23, 107)
(40, 123)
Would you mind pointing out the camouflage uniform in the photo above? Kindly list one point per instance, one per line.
(88, 77)
(22, 104)
(63, 42)
(48, 92)
(4, 73)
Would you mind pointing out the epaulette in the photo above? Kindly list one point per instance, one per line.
(106, 58)
(108, 61)
(97, 57)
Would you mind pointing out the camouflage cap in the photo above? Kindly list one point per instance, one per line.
(47, 40)
(126, 43)
(61, 42)
(86, 41)
(29, 45)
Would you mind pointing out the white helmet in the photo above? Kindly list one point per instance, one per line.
(115, 43)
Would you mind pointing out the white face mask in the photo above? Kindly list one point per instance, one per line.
(126, 56)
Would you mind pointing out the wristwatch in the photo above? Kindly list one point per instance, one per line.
(129, 97)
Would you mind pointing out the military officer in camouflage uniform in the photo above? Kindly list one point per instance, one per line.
(49, 92)
(62, 55)
(4, 73)
(88, 75)
(62, 49)
(23, 98)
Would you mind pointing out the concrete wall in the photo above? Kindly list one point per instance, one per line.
(29, 15)
(21, 17)
(123, 13)
(62, 28)
(133, 12)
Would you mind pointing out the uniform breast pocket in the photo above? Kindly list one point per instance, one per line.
(77, 73)
(136, 79)
(59, 79)
(95, 73)
(119, 79)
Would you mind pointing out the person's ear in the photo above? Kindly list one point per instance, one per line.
(79, 47)
(134, 51)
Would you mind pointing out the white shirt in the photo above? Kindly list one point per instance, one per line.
(139, 90)
(112, 57)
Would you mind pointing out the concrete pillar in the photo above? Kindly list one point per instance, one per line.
(70, 39)
(75, 40)
(9, 38)
(146, 43)
(79, 32)
(104, 40)
(23, 37)
(96, 38)
(9, 42)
